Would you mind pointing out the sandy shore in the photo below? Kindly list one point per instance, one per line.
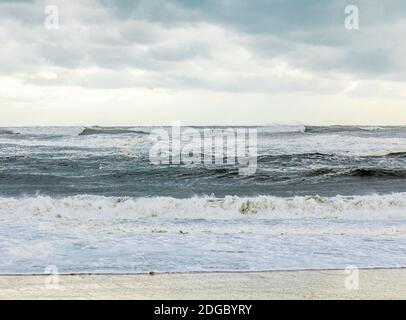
(320, 284)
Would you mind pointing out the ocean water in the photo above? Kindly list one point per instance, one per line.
(90, 200)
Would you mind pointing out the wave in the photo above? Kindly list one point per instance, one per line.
(46, 131)
(305, 155)
(263, 158)
(262, 130)
(275, 129)
(100, 130)
(339, 128)
(84, 207)
(142, 172)
(396, 154)
(6, 132)
(268, 174)
(378, 172)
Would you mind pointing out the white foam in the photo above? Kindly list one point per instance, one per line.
(85, 207)
(269, 141)
(110, 234)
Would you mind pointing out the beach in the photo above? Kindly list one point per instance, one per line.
(307, 284)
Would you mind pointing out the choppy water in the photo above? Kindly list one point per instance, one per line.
(88, 199)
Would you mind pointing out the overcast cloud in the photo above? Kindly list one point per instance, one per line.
(223, 61)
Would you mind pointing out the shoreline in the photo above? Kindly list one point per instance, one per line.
(372, 283)
(193, 272)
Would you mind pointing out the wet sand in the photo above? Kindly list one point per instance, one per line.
(310, 284)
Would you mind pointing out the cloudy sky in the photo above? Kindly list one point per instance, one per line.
(202, 62)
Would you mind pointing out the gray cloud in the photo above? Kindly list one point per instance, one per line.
(285, 24)
(165, 42)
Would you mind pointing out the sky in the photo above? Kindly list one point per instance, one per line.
(219, 62)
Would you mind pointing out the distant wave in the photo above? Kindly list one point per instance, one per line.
(99, 130)
(6, 132)
(275, 129)
(396, 154)
(336, 129)
(85, 207)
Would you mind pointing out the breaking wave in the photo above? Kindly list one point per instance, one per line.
(85, 207)
(397, 154)
(105, 130)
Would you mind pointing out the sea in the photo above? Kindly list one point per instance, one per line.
(89, 200)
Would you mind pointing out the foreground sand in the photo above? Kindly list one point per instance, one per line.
(321, 284)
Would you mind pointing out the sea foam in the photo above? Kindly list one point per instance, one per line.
(376, 207)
